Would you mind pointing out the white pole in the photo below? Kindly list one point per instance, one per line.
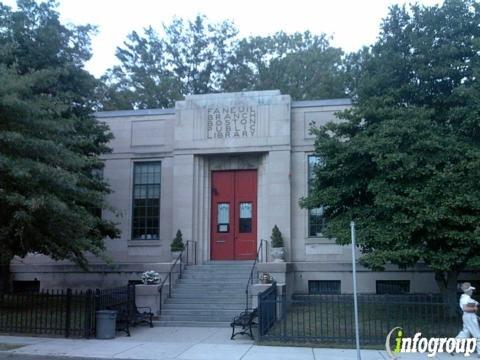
(354, 274)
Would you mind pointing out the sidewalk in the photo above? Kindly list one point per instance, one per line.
(179, 343)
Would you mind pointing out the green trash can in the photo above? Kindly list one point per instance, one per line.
(105, 327)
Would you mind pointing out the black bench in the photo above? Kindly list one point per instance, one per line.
(128, 313)
(145, 315)
(245, 320)
(131, 316)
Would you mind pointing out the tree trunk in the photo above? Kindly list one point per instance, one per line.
(5, 272)
(4, 277)
(447, 282)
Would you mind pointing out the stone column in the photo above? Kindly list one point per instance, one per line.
(201, 207)
(183, 179)
(278, 197)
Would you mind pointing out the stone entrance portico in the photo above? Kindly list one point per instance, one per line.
(236, 131)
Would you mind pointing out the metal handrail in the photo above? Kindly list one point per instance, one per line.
(250, 279)
(169, 277)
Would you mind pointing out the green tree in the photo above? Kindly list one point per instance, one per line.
(156, 70)
(49, 141)
(302, 65)
(198, 57)
(405, 162)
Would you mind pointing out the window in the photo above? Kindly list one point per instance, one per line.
(316, 220)
(223, 215)
(393, 287)
(146, 201)
(245, 217)
(322, 287)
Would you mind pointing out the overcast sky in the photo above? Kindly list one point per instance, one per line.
(352, 23)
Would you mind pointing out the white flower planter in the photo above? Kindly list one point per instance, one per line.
(151, 278)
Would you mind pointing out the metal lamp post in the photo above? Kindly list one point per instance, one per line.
(355, 304)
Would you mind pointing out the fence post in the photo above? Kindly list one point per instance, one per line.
(89, 307)
(130, 304)
(260, 316)
(284, 315)
(68, 310)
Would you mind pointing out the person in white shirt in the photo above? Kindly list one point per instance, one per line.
(469, 308)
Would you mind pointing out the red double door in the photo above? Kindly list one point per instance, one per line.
(234, 215)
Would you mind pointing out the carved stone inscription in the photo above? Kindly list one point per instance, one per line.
(225, 122)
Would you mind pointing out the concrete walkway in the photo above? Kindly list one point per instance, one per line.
(183, 343)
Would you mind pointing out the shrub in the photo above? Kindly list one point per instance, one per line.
(277, 239)
(177, 243)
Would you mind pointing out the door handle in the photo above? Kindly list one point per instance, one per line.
(219, 241)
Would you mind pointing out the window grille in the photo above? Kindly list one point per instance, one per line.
(393, 287)
(322, 287)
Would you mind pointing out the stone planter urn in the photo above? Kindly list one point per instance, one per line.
(175, 254)
(278, 254)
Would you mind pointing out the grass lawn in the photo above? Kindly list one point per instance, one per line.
(330, 324)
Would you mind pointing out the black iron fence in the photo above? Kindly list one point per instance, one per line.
(69, 313)
(329, 319)
(258, 258)
(267, 306)
(48, 312)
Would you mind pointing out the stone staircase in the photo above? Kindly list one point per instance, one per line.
(207, 295)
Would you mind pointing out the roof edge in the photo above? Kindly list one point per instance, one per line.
(125, 113)
(171, 111)
(325, 102)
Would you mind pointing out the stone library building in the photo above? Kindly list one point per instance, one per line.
(224, 169)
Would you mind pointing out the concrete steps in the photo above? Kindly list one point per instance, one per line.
(235, 279)
(207, 295)
(211, 324)
(202, 306)
(208, 283)
(207, 292)
(206, 300)
(208, 286)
